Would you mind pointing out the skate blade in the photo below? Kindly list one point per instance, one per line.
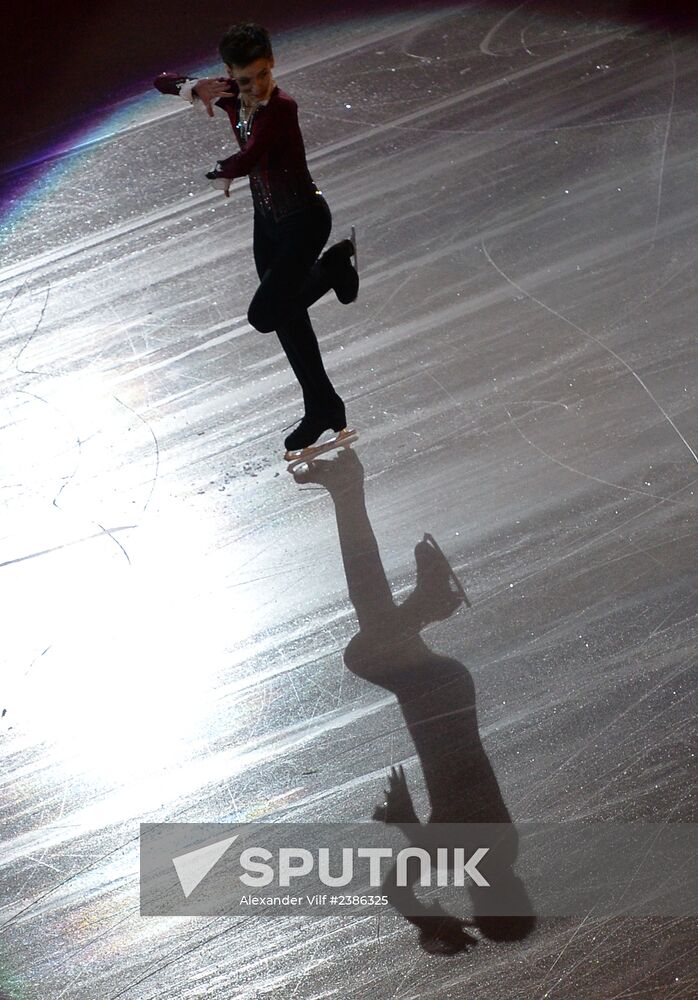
(430, 540)
(303, 456)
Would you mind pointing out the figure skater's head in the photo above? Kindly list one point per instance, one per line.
(246, 51)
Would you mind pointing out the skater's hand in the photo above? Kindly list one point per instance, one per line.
(397, 807)
(209, 91)
(220, 182)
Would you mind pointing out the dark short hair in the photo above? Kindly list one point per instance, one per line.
(242, 44)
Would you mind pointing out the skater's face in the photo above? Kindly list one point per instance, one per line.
(254, 80)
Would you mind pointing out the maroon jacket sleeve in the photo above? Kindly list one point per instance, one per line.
(274, 126)
(171, 83)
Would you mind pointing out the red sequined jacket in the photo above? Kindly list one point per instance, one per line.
(273, 156)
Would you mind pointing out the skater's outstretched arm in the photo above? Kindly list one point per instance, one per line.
(220, 92)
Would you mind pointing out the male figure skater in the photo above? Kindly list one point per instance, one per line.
(292, 220)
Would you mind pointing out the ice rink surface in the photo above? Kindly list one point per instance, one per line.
(521, 364)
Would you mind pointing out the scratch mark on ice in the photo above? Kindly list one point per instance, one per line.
(31, 336)
(600, 343)
(155, 442)
(523, 42)
(567, 945)
(666, 140)
(485, 43)
(588, 475)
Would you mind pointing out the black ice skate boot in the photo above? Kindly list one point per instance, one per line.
(332, 417)
(343, 274)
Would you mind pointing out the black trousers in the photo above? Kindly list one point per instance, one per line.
(291, 279)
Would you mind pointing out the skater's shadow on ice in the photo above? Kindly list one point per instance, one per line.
(437, 697)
